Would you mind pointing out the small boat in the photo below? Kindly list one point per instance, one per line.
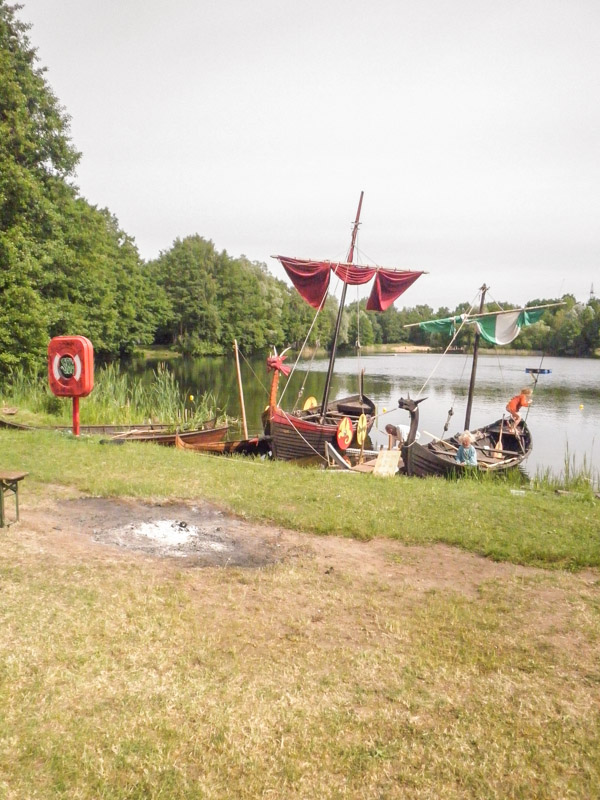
(203, 435)
(254, 446)
(90, 430)
(304, 433)
(499, 448)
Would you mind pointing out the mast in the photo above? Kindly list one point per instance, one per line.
(483, 289)
(338, 321)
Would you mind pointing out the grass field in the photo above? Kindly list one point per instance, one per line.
(133, 677)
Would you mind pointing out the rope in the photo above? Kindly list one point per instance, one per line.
(306, 374)
(287, 383)
(421, 390)
(252, 371)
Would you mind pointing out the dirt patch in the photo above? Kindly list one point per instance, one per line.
(198, 535)
(62, 523)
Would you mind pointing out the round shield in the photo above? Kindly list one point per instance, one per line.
(361, 430)
(311, 402)
(345, 432)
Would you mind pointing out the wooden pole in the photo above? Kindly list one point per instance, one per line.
(240, 388)
(474, 366)
(338, 321)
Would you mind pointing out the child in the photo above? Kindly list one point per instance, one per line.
(518, 401)
(466, 453)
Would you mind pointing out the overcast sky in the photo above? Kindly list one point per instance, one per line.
(473, 127)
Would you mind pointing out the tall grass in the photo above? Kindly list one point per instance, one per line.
(574, 477)
(117, 398)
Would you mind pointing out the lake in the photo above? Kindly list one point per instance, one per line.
(564, 417)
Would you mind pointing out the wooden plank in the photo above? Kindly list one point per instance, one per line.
(387, 463)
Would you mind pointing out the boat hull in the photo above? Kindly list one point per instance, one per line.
(302, 435)
(255, 446)
(205, 435)
(438, 457)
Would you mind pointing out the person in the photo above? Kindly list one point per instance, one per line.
(466, 453)
(399, 434)
(515, 404)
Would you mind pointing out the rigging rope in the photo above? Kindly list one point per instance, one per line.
(463, 321)
(287, 383)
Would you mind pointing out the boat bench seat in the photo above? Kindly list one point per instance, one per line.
(9, 484)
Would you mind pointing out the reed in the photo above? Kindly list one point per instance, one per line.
(575, 476)
(118, 398)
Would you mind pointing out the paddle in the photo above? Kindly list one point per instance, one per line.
(442, 441)
(498, 445)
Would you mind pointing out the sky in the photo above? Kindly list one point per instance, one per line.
(472, 126)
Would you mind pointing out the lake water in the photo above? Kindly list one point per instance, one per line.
(564, 417)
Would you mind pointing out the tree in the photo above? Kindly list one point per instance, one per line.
(65, 266)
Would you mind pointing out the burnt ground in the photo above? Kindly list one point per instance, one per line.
(62, 523)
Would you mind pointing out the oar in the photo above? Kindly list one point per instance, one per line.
(498, 445)
(443, 441)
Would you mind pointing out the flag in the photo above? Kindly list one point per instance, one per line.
(504, 328)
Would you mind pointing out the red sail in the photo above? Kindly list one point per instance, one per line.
(311, 279)
(388, 286)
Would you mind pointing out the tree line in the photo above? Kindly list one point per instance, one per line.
(67, 267)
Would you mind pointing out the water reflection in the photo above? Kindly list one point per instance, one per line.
(565, 413)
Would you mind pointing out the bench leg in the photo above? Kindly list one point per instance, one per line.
(6, 486)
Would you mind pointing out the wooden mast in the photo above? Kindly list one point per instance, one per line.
(338, 321)
(483, 289)
(240, 388)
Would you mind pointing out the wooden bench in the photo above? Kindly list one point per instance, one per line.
(9, 483)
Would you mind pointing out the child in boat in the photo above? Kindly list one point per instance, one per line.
(466, 453)
(518, 402)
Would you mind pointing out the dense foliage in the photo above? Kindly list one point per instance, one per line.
(66, 267)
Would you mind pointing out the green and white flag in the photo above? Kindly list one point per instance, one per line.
(496, 328)
(504, 328)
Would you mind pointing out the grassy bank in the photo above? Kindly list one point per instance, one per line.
(129, 678)
(486, 516)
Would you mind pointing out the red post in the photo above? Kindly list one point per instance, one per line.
(76, 416)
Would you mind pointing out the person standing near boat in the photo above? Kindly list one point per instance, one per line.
(466, 453)
(515, 404)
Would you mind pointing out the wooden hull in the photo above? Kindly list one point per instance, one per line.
(255, 446)
(205, 435)
(302, 435)
(437, 457)
(99, 430)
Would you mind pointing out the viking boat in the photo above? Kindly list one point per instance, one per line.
(203, 435)
(499, 448)
(304, 433)
(254, 446)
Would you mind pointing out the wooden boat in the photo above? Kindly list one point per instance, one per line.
(90, 430)
(498, 447)
(203, 435)
(438, 457)
(304, 434)
(254, 446)
(138, 432)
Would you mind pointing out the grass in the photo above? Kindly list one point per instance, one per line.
(127, 678)
(480, 515)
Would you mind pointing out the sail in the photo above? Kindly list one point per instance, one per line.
(504, 328)
(446, 325)
(311, 280)
(501, 327)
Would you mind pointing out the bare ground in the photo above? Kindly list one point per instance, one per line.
(63, 524)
